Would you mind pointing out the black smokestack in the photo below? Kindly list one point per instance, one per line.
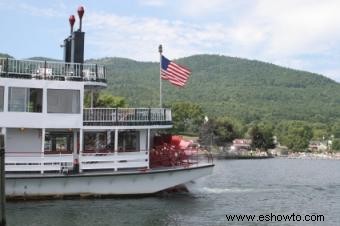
(74, 44)
(68, 41)
(78, 40)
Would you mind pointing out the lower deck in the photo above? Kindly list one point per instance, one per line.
(131, 182)
(58, 150)
(76, 151)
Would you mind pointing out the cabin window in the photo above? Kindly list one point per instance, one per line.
(128, 141)
(59, 142)
(24, 99)
(1, 98)
(96, 142)
(63, 101)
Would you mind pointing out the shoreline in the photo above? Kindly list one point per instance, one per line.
(243, 157)
(298, 155)
(313, 156)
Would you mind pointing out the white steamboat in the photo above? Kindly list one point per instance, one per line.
(56, 147)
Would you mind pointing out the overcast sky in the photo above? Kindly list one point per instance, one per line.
(300, 34)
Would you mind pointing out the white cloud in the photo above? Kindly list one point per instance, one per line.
(288, 32)
(55, 9)
(138, 37)
(276, 31)
(156, 3)
(281, 32)
(198, 8)
(296, 27)
(36, 11)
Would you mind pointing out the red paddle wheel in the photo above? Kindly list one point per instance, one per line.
(171, 150)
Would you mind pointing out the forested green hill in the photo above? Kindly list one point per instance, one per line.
(226, 86)
(4, 55)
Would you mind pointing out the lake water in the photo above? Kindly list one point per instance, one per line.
(274, 186)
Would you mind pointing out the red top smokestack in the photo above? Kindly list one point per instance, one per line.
(80, 11)
(80, 14)
(72, 19)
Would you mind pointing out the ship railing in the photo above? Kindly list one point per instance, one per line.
(93, 115)
(37, 162)
(167, 155)
(114, 161)
(51, 70)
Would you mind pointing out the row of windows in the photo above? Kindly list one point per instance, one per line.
(93, 141)
(31, 100)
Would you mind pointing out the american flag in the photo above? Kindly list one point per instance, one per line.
(174, 73)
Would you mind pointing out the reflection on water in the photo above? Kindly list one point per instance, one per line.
(277, 186)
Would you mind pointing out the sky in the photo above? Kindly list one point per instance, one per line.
(299, 34)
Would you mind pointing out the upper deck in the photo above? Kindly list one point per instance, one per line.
(94, 117)
(90, 74)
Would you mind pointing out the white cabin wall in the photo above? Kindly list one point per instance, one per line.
(44, 119)
(27, 140)
(142, 139)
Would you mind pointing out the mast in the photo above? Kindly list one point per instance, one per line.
(160, 50)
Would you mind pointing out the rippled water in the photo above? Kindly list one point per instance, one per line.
(278, 186)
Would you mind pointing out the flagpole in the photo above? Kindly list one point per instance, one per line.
(160, 50)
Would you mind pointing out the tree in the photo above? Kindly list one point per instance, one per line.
(226, 130)
(336, 129)
(206, 133)
(104, 100)
(261, 137)
(219, 131)
(186, 117)
(336, 144)
(294, 134)
(107, 100)
(321, 131)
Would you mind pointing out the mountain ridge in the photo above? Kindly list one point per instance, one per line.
(246, 89)
(249, 90)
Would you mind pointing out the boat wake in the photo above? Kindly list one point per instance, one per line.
(225, 190)
(208, 190)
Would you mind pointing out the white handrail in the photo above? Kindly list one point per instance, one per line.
(114, 161)
(49, 69)
(127, 115)
(26, 162)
